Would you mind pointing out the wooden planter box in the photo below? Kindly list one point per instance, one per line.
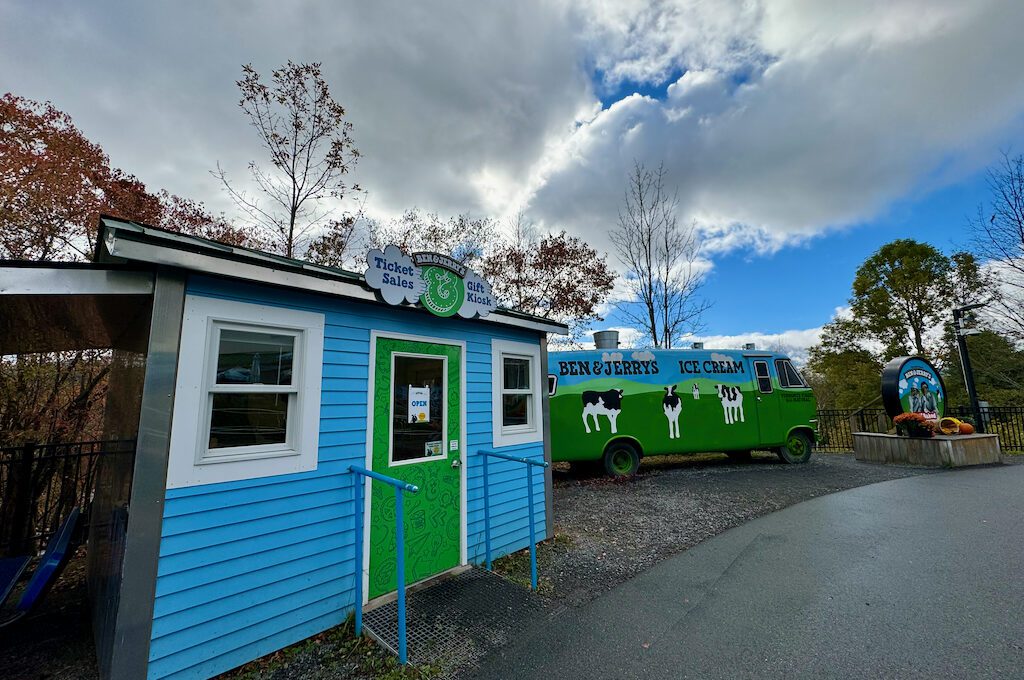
(937, 451)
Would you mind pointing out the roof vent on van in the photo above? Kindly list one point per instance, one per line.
(749, 346)
(606, 339)
(697, 345)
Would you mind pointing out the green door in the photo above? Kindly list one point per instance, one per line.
(767, 408)
(416, 438)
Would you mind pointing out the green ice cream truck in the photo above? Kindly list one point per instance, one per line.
(611, 407)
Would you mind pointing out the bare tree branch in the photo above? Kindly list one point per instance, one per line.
(661, 259)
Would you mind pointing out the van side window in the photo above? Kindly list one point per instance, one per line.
(764, 380)
(788, 376)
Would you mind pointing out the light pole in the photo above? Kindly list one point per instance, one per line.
(965, 359)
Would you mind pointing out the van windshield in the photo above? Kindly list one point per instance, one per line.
(788, 375)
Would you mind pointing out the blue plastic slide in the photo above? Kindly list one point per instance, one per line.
(58, 551)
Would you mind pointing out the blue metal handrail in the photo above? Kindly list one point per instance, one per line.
(489, 453)
(399, 487)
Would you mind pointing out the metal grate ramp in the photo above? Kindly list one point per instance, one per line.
(455, 622)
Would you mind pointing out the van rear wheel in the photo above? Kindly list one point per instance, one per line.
(621, 459)
(797, 449)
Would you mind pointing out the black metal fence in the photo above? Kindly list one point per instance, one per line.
(40, 483)
(836, 426)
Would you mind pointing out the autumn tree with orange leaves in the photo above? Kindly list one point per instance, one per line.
(55, 183)
(557, 276)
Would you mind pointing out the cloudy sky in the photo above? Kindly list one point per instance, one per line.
(802, 134)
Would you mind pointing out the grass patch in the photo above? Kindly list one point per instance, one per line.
(336, 652)
(516, 566)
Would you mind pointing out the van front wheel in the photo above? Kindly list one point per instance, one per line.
(798, 448)
(621, 459)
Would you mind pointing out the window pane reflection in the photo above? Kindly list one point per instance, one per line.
(515, 409)
(248, 419)
(517, 374)
(417, 433)
(249, 358)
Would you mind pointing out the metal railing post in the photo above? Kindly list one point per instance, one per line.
(529, 500)
(358, 495)
(400, 550)
(400, 488)
(487, 517)
(533, 538)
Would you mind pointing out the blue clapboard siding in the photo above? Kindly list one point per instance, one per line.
(249, 567)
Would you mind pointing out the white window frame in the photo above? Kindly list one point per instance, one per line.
(533, 431)
(191, 461)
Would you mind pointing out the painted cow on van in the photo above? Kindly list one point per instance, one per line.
(672, 405)
(607, 404)
(732, 402)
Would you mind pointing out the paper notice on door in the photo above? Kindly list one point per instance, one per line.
(453, 445)
(419, 404)
(432, 449)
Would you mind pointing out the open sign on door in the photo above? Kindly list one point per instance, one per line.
(419, 404)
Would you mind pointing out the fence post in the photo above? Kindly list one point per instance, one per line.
(20, 499)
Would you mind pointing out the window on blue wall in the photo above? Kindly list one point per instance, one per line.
(247, 392)
(517, 385)
(253, 389)
(516, 392)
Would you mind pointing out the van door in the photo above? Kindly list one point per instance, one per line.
(767, 403)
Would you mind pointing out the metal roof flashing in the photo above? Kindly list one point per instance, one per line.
(121, 241)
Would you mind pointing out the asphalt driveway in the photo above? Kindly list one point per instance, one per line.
(915, 577)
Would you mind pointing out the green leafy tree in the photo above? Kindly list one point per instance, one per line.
(900, 293)
(842, 372)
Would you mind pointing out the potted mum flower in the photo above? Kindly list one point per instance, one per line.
(913, 425)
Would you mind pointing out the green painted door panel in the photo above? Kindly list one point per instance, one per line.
(419, 453)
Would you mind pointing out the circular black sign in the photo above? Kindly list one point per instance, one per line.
(913, 385)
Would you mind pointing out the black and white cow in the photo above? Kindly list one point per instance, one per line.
(672, 405)
(732, 403)
(601, 404)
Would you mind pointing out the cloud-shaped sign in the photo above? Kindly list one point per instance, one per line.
(643, 355)
(394, 275)
(479, 299)
(611, 356)
(715, 356)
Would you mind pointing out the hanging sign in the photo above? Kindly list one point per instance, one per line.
(441, 284)
(913, 385)
(393, 274)
(419, 404)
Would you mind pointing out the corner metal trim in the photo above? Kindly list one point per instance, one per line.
(133, 626)
(549, 501)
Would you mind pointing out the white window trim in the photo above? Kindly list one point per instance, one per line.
(190, 463)
(516, 434)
